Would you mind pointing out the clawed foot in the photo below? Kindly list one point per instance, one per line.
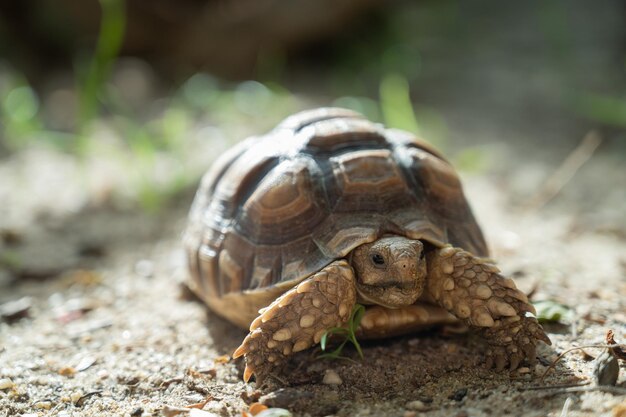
(297, 320)
(512, 340)
(473, 289)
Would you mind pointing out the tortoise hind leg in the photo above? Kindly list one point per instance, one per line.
(473, 290)
(298, 319)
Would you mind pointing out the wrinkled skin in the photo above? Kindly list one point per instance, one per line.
(394, 272)
(390, 272)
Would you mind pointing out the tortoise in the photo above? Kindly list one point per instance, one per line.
(290, 229)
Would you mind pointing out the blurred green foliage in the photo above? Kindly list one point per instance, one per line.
(380, 73)
(550, 311)
(95, 76)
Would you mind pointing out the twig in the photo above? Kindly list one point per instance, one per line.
(604, 388)
(543, 387)
(81, 400)
(168, 382)
(566, 171)
(553, 364)
(617, 351)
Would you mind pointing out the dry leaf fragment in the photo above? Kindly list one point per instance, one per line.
(618, 351)
(256, 408)
(201, 404)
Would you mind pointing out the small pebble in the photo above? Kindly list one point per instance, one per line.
(75, 396)
(459, 394)
(331, 378)
(606, 369)
(43, 405)
(6, 383)
(15, 310)
(417, 405)
(409, 414)
(523, 370)
(540, 370)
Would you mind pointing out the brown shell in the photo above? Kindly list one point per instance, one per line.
(276, 208)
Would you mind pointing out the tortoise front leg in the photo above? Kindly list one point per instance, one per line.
(298, 319)
(472, 289)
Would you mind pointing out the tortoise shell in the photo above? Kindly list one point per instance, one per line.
(276, 208)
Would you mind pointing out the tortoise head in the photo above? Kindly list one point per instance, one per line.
(390, 271)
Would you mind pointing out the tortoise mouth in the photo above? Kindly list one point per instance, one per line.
(392, 294)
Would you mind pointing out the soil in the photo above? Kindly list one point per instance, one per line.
(105, 326)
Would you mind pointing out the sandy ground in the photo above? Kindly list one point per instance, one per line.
(107, 329)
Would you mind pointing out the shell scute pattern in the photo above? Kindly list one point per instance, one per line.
(287, 203)
(284, 205)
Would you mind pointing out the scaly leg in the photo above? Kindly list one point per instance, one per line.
(298, 319)
(472, 289)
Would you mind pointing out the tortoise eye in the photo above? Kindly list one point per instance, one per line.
(422, 255)
(378, 259)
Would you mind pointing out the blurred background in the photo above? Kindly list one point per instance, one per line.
(111, 110)
(121, 105)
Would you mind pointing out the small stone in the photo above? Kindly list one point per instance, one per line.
(458, 394)
(43, 405)
(606, 369)
(417, 405)
(540, 370)
(15, 310)
(409, 414)
(76, 396)
(523, 370)
(331, 378)
(6, 383)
